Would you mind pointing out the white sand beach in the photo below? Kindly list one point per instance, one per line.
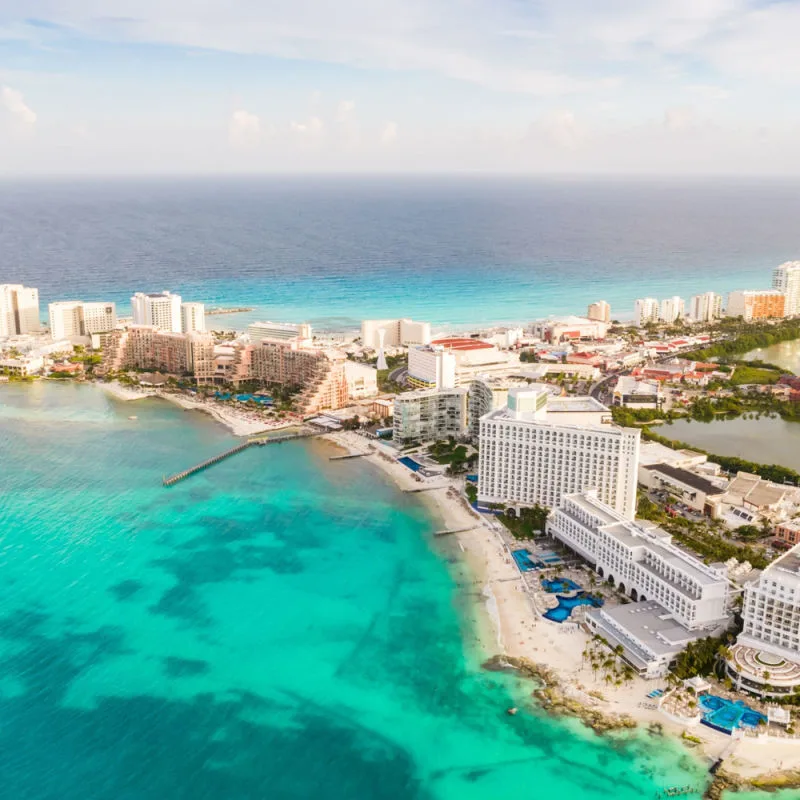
(241, 421)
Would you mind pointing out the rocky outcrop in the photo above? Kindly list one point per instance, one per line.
(722, 782)
(726, 781)
(554, 699)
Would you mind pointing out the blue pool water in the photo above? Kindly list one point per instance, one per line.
(244, 398)
(562, 612)
(560, 585)
(524, 560)
(726, 715)
(410, 463)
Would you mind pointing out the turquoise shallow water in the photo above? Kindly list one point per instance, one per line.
(277, 627)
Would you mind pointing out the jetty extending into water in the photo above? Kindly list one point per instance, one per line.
(349, 455)
(451, 531)
(171, 480)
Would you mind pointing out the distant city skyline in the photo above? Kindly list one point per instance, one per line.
(687, 87)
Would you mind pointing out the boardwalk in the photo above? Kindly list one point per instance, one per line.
(179, 476)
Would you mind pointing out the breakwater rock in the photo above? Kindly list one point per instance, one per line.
(553, 697)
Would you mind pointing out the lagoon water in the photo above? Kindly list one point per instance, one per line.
(784, 354)
(765, 441)
(276, 627)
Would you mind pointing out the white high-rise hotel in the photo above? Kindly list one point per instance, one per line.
(193, 317)
(71, 318)
(705, 307)
(645, 310)
(672, 309)
(165, 311)
(536, 450)
(786, 279)
(19, 309)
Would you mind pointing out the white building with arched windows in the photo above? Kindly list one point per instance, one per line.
(677, 598)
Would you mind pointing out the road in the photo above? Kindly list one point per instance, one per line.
(399, 375)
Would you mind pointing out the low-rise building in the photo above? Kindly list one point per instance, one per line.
(430, 414)
(569, 329)
(544, 370)
(381, 408)
(677, 598)
(749, 498)
(634, 393)
(22, 366)
(695, 491)
(788, 532)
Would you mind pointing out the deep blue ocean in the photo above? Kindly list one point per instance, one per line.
(450, 250)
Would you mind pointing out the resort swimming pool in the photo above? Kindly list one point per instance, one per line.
(525, 561)
(563, 610)
(560, 585)
(414, 466)
(726, 715)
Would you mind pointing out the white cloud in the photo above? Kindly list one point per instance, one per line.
(709, 92)
(558, 129)
(345, 111)
(244, 129)
(679, 119)
(14, 104)
(389, 133)
(311, 127)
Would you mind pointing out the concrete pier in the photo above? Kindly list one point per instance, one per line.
(180, 476)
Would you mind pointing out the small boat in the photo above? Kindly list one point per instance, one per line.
(511, 711)
(133, 417)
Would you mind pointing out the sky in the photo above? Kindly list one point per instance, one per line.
(639, 87)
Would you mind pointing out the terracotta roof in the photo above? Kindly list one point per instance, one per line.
(462, 344)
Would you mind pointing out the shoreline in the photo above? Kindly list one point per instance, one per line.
(240, 422)
(514, 630)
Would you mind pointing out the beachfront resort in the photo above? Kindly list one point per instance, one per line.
(631, 564)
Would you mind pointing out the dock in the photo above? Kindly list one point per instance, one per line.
(171, 480)
(726, 753)
(349, 455)
(451, 531)
(426, 489)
